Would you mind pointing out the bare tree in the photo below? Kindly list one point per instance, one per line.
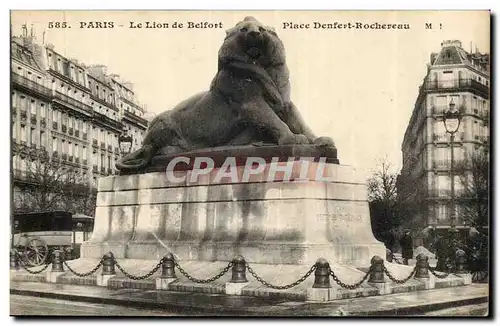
(48, 183)
(382, 196)
(474, 175)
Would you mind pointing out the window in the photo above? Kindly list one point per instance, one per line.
(70, 149)
(443, 185)
(33, 107)
(54, 116)
(14, 130)
(84, 152)
(63, 147)
(109, 162)
(32, 136)
(42, 139)
(102, 160)
(77, 151)
(42, 110)
(54, 144)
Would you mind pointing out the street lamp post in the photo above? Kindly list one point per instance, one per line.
(125, 142)
(451, 121)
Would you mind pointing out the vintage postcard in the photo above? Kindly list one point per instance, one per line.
(250, 163)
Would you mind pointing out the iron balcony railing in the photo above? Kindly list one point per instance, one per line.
(468, 84)
(84, 136)
(77, 133)
(31, 85)
(71, 101)
(64, 128)
(54, 125)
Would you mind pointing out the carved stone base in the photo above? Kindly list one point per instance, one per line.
(281, 222)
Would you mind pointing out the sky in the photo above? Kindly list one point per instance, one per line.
(357, 86)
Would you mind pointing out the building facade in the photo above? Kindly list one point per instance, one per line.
(459, 78)
(71, 111)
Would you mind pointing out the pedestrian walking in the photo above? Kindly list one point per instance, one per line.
(407, 246)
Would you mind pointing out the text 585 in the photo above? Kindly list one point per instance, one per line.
(58, 25)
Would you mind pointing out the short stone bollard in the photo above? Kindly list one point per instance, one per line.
(14, 259)
(108, 269)
(57, 267)
(376, 270)
(167, 272)
(238, 277)
(422, 272)
(322, 274)
(57, 261)
(376, 278)
(321, 289)
(461, 261)
(422, 266)
(108, 264)
(461, 267)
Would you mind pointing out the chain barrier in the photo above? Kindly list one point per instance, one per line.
(205, 281)
(350, 286)
(21, 263)
(281, 287)
(445, 275)
(143, 277)
(395, 280)
(87, 273)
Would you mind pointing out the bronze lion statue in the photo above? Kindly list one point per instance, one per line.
(248, 102)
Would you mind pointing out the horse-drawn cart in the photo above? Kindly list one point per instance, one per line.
(36, 235)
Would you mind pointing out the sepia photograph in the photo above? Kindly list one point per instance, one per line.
(245, 163)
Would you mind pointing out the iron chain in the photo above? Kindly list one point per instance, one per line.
(205, 281)
(281, 287)
(395, 280)
(438, 275)
(350, 286)
(143, 277)
(21, 263)
(84, 274)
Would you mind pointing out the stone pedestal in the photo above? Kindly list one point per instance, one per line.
(282, 219)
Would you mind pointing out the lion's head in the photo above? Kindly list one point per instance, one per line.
(251, 41)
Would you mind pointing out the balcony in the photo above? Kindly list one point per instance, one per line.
(65, 99)
(31, 86)
(70, 131)
(445, 137)
(77, 160)
(54, 125)
(77, 133)
(55, 154)
(85, 162)
(64, 128)
(442, 109)
(64, 157)
(33, 119)
(139, 121)
(43, 122)
(107, 122)
(84, 136)
(110, 171)
(94, 142)
(70, 158)
(110, 148)
(94, 168)
(117, 151)
(457, 85)
(103, 145)
(24, 116)
(103, 170)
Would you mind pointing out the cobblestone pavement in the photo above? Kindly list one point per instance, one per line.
(21, 305)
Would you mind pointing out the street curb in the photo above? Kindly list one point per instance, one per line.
(311, 309)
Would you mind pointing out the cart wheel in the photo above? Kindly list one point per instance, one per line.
(36, 252)
(479, 276)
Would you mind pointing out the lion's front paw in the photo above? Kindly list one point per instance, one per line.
(324, 141)
(294, 139)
